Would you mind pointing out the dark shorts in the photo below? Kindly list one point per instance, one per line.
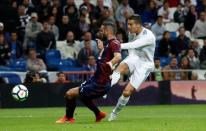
(92, 90)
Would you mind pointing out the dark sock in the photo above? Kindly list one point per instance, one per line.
(70, 107)
(90, 104)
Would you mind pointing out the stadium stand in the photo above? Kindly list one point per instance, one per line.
(172, 26)
(16, 18)
(53, 58)
(11, 78)
(18, 64)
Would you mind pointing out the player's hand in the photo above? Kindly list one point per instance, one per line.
(111, 65)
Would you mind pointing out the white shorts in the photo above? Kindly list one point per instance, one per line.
(139, 70)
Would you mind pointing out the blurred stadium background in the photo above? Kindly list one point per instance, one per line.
(49, 45)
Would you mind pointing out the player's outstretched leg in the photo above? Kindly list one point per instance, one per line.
(70, 106)
(90, 104)
(120, 104)
(123, 100)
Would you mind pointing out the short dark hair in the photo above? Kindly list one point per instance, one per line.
(137, 18)
(45, 21)
(156, 58)
(20, 6)
(1, 34)
(110, 26)
(159, 16)
(51, 16)
(31, 49)
(59, 73)
(165, 32)
(106, 7)
(181, 27)
(13, 31)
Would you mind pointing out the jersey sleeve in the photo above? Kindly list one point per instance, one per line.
(115, 46)
(141, 42)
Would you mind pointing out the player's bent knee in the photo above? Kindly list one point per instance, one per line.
(72, 93)
(68, 94)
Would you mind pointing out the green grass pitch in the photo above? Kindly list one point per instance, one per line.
(132, 118)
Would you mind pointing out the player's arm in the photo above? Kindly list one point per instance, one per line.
(145, 41)
(116, 59)
(116, 49)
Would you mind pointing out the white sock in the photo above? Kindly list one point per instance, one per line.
(120, 104)
(115, 77)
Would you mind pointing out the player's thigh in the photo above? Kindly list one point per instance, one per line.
(123, 68)
(129, 90)
(127, 65)
(139, 76)
(72, 93)
(92, 90)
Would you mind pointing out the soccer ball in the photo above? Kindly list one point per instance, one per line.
(20, 93)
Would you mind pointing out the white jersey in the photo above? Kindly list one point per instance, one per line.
(141, 54)
(142, 46)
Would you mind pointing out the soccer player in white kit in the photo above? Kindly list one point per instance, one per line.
(138, 64)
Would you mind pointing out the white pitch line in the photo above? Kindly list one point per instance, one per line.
(20, 116)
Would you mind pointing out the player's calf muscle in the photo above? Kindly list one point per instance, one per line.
(127, 93)
(129, 90)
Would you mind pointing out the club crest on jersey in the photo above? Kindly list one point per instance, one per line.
(144, 32)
